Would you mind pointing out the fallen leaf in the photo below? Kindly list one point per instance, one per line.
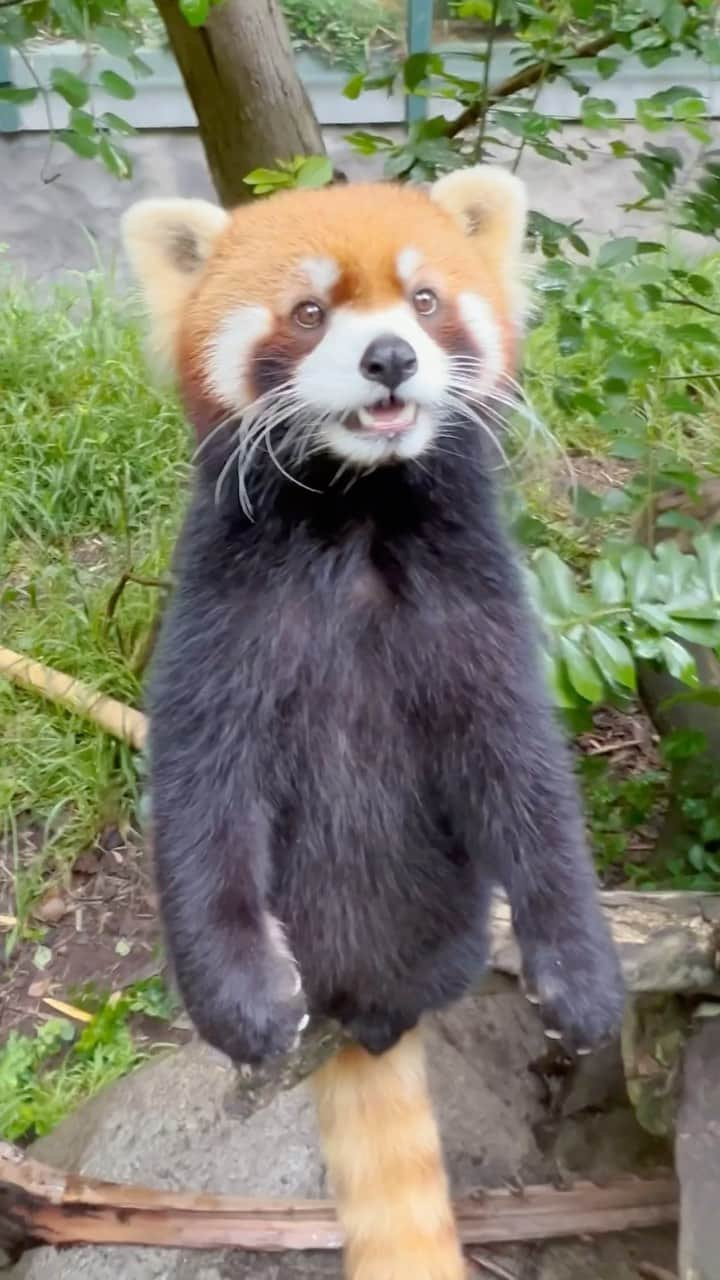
(122, 947)
(38, 989)
(42, 957)
(51, 908)
(69, 1010)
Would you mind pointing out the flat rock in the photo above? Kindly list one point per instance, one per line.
(170, 1125)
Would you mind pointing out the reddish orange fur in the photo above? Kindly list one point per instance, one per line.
(254, 260)
(386, 1165)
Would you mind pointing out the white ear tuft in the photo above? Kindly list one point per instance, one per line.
(490, 205)
(167, 243)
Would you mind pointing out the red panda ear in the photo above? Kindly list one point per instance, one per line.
(167, 243)
(491, 207)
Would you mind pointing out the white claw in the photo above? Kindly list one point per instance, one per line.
(582, 1053)
(303, 1022)
(552, 1034)
(532, 998)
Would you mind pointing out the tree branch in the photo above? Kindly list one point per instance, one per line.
(525, 79)
(40, 1205)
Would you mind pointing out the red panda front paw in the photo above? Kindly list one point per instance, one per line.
(579, 990)
(257, 1008)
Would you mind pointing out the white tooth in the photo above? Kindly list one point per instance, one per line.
(365, 417)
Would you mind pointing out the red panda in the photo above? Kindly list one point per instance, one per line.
(350, 737)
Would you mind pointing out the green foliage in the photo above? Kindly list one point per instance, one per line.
(118, 33)
(94, 468)
(44, 1076)
(300, 172)
(633, 605)
(580, 45)
(616, 808)
(344, 31)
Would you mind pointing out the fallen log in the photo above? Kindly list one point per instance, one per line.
(40, 1205)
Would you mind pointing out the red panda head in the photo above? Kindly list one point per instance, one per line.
(361, 315)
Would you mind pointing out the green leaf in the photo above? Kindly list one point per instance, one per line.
(639, 570)
(678, 661)
(316, 171)
(697, 632)
(195, 11)
(615, 251)
(557, 584)
(82, 122)
(582, 672)
(114, 40)
(117, 124)
(587, 504)
(608, 582)
(17, 96)
(117, 86)
(115, 159)
(707, 546)
(696, 855)
(42, 957)
(77, 142)
(418, 67)
(628, 449)
(613, 657)
(355, 86)
(562, 691)
(70, 87)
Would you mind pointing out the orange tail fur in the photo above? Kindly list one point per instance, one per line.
(386, 1166)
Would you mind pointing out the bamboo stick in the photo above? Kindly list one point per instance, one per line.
(123, 722)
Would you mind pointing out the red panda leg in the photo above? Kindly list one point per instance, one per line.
(386, 1166)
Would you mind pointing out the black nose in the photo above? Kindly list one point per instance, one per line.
(389, 360)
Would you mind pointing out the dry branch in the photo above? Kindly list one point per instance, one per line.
(114, 717)
(39, 1205)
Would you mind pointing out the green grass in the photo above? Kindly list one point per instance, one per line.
(94, 468)
(44, 1077)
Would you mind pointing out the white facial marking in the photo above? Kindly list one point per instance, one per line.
(228, 352)
(321, 274)
(408, 262)
(479, 321)
(329, 381)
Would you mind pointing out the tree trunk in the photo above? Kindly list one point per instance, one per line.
(240, 74)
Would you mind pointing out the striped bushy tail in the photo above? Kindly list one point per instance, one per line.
(386, 1166)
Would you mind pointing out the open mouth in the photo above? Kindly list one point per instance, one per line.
(390, 418)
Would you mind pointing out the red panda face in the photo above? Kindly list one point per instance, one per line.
(354, 320)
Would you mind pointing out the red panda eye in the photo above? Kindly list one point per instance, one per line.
(425, 302)
(309, 315)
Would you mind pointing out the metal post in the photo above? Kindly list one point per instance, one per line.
(419, 40)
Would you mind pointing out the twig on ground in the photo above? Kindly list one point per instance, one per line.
(609, 747)
(492, 1268)
(649, 1271)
